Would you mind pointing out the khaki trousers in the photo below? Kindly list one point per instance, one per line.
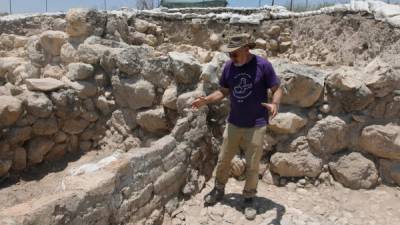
(251, 141)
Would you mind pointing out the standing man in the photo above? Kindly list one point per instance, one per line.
(246, 78)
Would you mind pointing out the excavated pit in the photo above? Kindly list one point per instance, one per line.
(97, 126)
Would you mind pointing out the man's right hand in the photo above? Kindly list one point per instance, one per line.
(199, 102)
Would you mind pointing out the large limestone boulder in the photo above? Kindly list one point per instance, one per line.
(10, 110)
(389, 170)
(90, 53)
(355, 171)
(132, 93)
(157, 70)
(38, 148)
(346, 86)
(153, 120)
(38, 104)
(80, 71)
(185, 67)
(52, 41)
(130, 60)
(302, 85)
(381, 78)
(85, 22)
(287, 123)
(44, 84)
(296, 164)
(328, 136)
(381, 140)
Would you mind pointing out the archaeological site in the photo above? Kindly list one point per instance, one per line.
(97, 124)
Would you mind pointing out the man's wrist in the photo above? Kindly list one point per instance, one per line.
(206, 100)
(276, 104)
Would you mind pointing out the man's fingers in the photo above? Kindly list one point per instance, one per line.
(266, 105)
(274, 112)
(198, 102)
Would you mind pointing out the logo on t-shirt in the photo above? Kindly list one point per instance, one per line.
(243, 87)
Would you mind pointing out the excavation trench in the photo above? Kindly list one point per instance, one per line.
(97, 125)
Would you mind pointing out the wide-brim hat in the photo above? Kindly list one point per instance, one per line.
(238, 41)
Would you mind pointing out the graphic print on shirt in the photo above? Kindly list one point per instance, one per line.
(243, 87)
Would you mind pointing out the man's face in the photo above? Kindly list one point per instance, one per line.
(239, 56)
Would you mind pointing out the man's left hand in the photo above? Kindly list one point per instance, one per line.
(272, 108)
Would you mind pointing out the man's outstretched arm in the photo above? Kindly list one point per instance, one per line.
(213, 97)
(273, 107)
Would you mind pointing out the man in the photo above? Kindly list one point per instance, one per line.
(246, 78)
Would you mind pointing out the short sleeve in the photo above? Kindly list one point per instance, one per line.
(223, 81)
(271, 79)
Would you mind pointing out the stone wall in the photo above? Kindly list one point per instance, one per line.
(126, 188)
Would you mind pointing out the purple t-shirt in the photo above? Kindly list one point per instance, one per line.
(248, 85)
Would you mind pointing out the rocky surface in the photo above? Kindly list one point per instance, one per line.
(293, 205)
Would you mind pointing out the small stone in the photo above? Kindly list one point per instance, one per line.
(291, 186)
(325, 108)
(283, 181)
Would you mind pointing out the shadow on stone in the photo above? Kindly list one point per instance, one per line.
(263, 205)
(40, 171)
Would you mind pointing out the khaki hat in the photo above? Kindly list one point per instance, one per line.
(238, 41)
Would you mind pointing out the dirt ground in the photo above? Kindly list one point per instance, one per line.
(44, 179)
(290, 205)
